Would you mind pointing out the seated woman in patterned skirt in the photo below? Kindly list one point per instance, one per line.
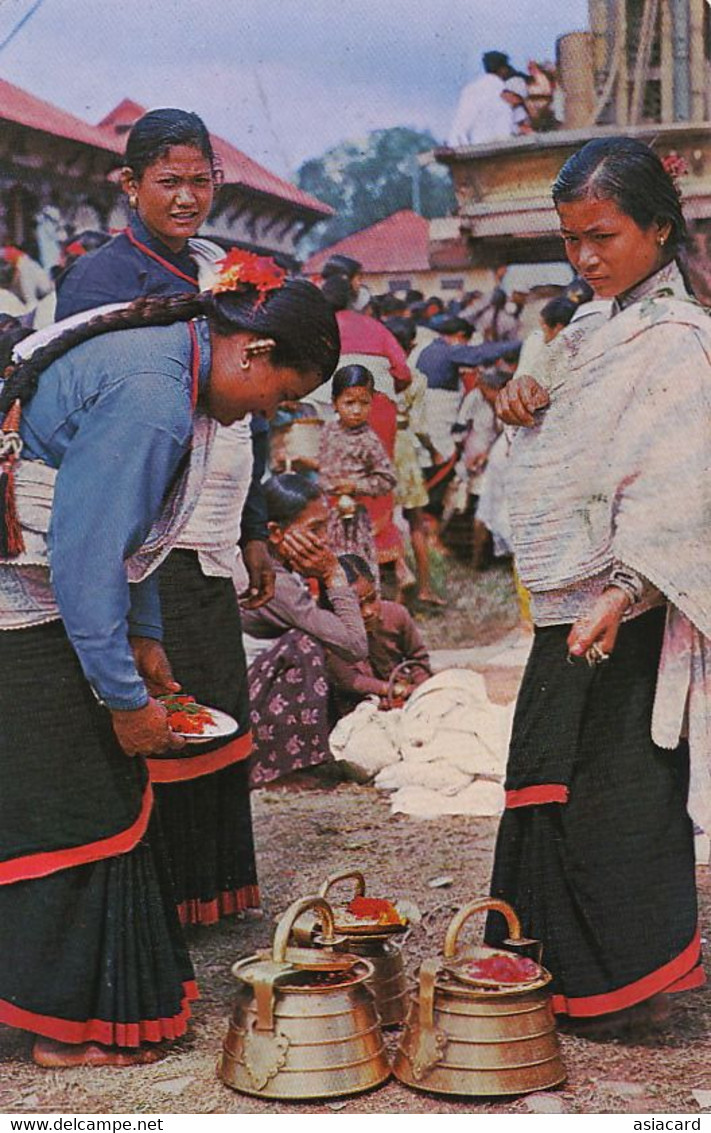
(288, 688)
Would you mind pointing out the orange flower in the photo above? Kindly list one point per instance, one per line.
(240, 269)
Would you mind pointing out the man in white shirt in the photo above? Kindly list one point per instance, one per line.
(482, 114)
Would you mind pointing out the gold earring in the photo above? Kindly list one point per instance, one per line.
(133, 201)
(261, 346)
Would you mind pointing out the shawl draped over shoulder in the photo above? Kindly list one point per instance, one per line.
(618, 469)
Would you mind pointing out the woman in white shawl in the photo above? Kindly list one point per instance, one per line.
(610, 500)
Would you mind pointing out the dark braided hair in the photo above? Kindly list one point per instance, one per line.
(152, 136)
(628, 172)
(295, 315)
(631, 174)
(287, 495)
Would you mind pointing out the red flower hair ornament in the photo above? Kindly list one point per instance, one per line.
(675, 165)
(239, 269)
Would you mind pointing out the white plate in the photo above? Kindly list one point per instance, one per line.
(224, 726)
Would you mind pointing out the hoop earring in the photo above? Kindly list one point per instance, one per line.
(245, 362)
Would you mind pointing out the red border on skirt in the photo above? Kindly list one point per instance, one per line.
(51, 861)
(442, 471)
(533, 796)
(680, 974)
(224, 905)
(192, 767)
(100, 1030)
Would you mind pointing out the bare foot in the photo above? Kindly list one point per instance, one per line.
(52, 1054)
(658, 1008)
(633, 1022)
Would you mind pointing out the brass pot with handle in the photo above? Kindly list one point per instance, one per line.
(380, 944)
(481, 1020)
(305, 1023)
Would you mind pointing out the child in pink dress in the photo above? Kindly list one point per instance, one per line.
(354, 467)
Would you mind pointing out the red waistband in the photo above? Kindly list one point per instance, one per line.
(537, 795)
(182, 768)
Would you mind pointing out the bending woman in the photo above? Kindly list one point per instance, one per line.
(169, 176)
(117, 432)
(610, 533)
(288, 687)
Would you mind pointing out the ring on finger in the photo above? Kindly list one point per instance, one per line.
(596, 655)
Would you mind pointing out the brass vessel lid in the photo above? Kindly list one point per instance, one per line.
(284, 959)
(350, 924)
(477, 968)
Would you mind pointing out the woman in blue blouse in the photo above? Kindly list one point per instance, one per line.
(117, 432)
(169, 177)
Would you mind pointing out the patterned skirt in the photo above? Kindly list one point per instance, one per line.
(90, 939)
(203, 795)
(288, 690)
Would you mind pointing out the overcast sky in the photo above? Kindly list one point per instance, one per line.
(282, 79)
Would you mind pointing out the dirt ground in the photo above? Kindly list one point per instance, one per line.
(304, 834)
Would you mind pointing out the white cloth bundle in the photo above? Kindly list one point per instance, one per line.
(443, 753)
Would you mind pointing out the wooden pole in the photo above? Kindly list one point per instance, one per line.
(698, 62)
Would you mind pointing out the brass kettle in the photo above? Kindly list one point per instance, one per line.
(305, 1023)
(381, 945)
(475, 1036)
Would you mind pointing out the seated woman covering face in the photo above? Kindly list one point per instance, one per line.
(287, 684)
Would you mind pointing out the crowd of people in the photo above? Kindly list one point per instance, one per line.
(203, 452)
(504, 102)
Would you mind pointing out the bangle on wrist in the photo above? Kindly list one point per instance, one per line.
(628, 581)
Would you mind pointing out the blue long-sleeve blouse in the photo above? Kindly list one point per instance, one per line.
(136, 263)
(123, 269)
(114, 416)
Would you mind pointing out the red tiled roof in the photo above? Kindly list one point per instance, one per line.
(399, 243)
(237, 167)
(17, 105)
(121, 118)
(241, 170)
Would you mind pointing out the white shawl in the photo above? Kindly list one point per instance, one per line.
(619, 468)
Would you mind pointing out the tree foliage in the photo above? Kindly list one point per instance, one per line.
(370, 179)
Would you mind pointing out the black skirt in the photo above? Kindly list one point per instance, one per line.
(203, 795)
(595, 849)
(91, 944)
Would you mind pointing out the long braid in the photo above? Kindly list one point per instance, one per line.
(295, 315)
(22, 377)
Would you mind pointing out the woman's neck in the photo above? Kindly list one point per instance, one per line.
(176, 246)
(641, 286)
